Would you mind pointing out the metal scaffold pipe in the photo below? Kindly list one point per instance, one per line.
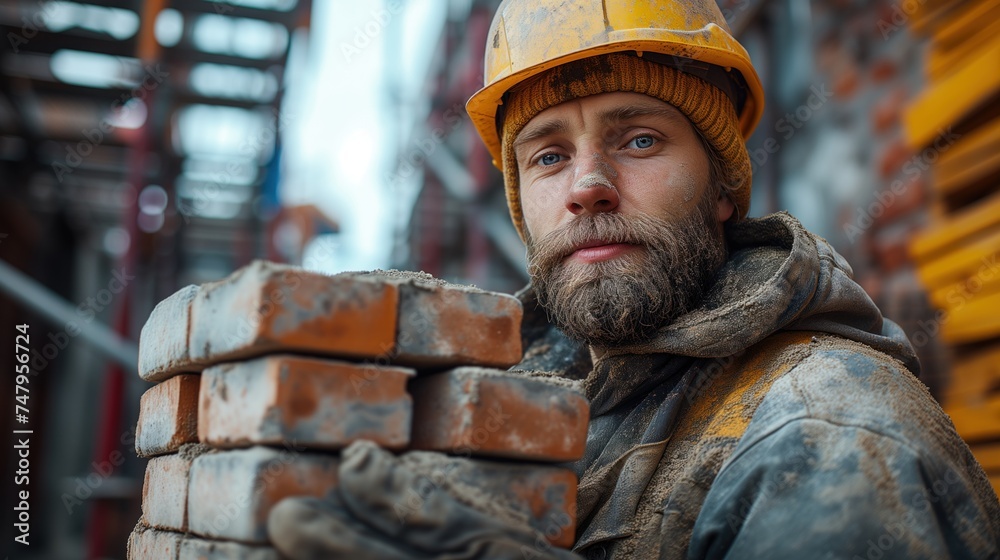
(24, 289)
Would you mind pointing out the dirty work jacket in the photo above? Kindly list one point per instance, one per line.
(780, 419)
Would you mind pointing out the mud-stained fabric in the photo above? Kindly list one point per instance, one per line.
(780, 419)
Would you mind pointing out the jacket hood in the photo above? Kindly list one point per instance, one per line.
(778, 277)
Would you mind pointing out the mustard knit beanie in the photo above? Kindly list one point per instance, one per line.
(706, 106)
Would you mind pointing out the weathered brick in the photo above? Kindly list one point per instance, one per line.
(168, 416)
(892, 158)
(312, 402)
(202, 549)
(164, 492)
(447, 325)
(888, 109)
(846, 82)
(163, 342)
(230, 493)
(883, 69)
(149, 544)
(486, 412)
(266, 308)
(540, 497)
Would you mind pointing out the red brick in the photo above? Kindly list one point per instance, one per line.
(312, 402)
(891, 257)
(892, 158)
(447, 325)
(163, 342)
(541, 497)
(164, 492)
(230, 493)
(888, 110)
(168, 416)
(267, 308)
(846, 82)
(483, 412)
(202, 549)
(149, 544)
(883, 69)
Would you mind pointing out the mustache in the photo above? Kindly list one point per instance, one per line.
(609, 227)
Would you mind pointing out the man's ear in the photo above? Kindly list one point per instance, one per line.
(726, 208)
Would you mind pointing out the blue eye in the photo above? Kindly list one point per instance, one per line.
(549, 159)
(642, 142)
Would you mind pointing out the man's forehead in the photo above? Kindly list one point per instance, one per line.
(608, 108)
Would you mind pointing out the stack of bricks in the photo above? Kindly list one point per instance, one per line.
(955, 124)
(264, 376)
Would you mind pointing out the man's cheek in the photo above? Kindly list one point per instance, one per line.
(529, 208)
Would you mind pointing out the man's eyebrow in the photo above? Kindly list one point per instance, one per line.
(622, 114)
(540, 131)
(608, 118)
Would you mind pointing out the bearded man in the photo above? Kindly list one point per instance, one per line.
(748, 400)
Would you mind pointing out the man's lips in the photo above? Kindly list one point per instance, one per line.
(597, 250)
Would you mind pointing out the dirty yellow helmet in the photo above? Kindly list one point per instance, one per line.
(528, 37)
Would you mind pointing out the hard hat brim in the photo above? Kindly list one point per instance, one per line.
(482, 107)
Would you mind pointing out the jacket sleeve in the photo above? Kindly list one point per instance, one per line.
(816, 489)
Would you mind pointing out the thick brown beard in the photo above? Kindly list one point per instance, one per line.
(627, 299)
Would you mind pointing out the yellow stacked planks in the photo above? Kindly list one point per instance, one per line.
(955, 125)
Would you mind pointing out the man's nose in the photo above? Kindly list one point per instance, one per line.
(594, 190)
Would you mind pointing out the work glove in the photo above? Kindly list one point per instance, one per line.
(374, 515)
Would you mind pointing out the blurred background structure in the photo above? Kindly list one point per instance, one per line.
(146, 145)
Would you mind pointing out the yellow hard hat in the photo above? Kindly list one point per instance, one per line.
(528, 37)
